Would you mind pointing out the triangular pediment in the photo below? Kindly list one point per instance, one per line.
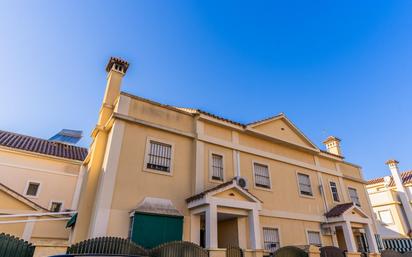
(11, 200)
(280, 127)
(235, 194)
(355, 212)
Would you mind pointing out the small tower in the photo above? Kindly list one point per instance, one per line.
(333, 145)
(400, 189)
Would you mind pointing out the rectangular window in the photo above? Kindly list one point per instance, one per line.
(353, 194)
(33, 189)
(385, 217)
(314, 238)
(334, 190)
(262, 178)
(271, 239)
(304, 184)
(56, 206)
(217, 167)
(160, 156)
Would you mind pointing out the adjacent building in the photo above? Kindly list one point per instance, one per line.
(391, 198)
(39, 184)
(157, 173)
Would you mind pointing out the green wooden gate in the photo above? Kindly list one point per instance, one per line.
(11, 246)
(150, 230)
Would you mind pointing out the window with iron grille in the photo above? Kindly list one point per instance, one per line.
(160, 155)
(33, 189)
(271, 239)
(56, 206)
(217, 167)
(262, 178)
(334, 190)
(314, 238)
(354, 196)
(305, 187)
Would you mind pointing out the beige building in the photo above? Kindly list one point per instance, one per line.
(157, 173)
(38, 182)
(391, 198)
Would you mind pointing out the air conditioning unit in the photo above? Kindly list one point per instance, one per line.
(242, 182)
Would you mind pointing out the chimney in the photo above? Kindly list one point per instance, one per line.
(116, 69)
(400, 189)
(333, 145)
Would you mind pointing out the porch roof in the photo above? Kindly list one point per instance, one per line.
(218, 187)
(338, 210)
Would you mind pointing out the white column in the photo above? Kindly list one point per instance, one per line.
(254, 229)
(241, 232)
(211, 227)
(373, 247)
(28, 229)
(349, 239)
(334, 237)
(195, 229)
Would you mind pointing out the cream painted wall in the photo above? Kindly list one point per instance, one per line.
(57, 177)
(133, 183)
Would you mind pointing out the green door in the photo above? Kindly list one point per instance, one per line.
(150, 230)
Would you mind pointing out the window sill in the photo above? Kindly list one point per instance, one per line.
(164, 173)
(262, 188)
(306, 196)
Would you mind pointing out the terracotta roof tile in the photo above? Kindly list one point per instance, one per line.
(406, 177)
(338, 210)
(42, 146)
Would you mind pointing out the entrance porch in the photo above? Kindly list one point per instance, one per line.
(351, 230)
(225, 216)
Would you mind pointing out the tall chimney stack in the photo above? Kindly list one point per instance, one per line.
(116, 69)
(403, 196)
(333, 145)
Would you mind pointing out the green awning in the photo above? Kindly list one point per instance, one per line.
(72, 221)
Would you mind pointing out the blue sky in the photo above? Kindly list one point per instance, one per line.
(340, 68)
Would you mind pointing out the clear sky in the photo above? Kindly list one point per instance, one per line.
(340, 68)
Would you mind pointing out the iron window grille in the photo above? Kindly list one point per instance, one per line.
(217, 167)
(271, 239)
(354, 196)
(33, 189)
(334, 190)
(159, 156)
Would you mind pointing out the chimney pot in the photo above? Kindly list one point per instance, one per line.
(333, 145)
(117, 64)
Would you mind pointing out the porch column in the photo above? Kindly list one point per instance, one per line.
(349, 239)
(373, 247)
(254, 229)
(211, 227)
(334, 237)
(195, 229)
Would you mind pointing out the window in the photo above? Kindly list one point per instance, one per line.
(353, 194)
(385, 217)
(334, 190)
(304, 184)
(159, 156)
(32, 189)
(217, 167)
(271, 239)
(314, 238)
(56, 206)
(262, 178)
